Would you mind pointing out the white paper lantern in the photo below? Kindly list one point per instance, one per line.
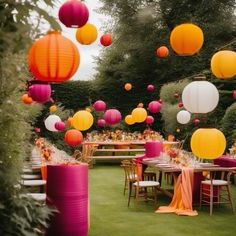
(51, 121)
(200, 97)
(183, 117)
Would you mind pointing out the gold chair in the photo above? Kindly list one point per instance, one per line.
(216, 191)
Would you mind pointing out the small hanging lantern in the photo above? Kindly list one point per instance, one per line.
(112, 116)
(162, 51)
(40, 92)
(87, 34)
(106, 39)
(183, 117)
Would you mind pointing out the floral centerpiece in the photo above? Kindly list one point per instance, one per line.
(233, 149)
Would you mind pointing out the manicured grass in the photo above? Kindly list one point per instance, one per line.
(110, 216)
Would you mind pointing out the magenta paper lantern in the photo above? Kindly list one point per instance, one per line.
(99, 105)
(149, 120)
(101, 122)
(196, 121)
(154, 106)
(60, 125)
(234, 94)
(73, 13)
(40, 92)
(150, 87)
(112, 116)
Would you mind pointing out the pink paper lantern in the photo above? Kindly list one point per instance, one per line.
(101, 122)
(180, 104)
(99, 105)
(112, 116)
(149, 120)
(40, 92)
(73, 13)
(60, 125)
(37, 130)
(196, 121)
(234, 94)
(150, 87)
(154, 106)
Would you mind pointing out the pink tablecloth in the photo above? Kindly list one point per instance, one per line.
(225, 161)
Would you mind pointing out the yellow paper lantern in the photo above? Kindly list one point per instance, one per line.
(53, 108)
(208, 143)
(86, 34)
(128, 86)
(139, 114)
(82, 120)
(129, 120)
(223, 64)
(186, 39)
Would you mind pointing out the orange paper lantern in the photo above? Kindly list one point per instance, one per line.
(53, 58)
(26, 99)
(128, 86)
(162, 51)
(86, 34)
(53, 108)
(186, 39)
(73, 137)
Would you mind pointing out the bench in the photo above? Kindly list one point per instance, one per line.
(112, 157)
(119, 150)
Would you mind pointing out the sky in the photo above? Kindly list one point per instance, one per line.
(86, 70)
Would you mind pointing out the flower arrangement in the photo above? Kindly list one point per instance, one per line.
(233, 149)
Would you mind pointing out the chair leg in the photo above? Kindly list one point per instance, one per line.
(125, 187)
(211, 199)
(130, 192)
(200, 199)
(136, 196)
(230, 198)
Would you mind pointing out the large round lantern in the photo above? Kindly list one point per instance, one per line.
(40, 93)
(208, 143)
(129, 120)
(149, 120)
(186, 39)
(106, 40)
(101, 122)
(86, 34)
(223, 64)
(183, 117)
(82, 120)
(128, 86)
(53, 58)
(162, 51)
(73, 13)
(73, 137)
(99, 105)
(154, 106)
(26, 99)
(112, 116)
(51, 121)
(139, 114)
(200, 97)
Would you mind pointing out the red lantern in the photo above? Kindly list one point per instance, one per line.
(73, 13)
(53, 58)
(106, 40)
(154, 106)
(101, 122)
(234, 94)
(60, 125)
(73, 137)
(150, 87)
(112, 116)
(162, 51)
(149, 120)
(180, 104)
(26, 99)
(99, 105)
(40, 92)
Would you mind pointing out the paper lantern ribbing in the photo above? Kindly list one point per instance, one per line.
(139, 114)
(60, 125)
(150, 87)
(26, 99)
(86, 34)
(73, 13)
(51, 121)
(53, 108)
(208, 143)
(53, 58)
(40, 92)
(106, 40)
(149, 120)
(154, 106)
(183, 117)
(162, 51)
(223, 64)
(82, 120)
(73, 137)
(112, 116)
(101, 122)
(129, 120)
(200, 97)
(128, 86)
(99, 105)
(186, 39)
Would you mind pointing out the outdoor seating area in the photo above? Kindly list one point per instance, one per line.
(117, 118)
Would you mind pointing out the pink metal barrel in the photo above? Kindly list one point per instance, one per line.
(153, 148)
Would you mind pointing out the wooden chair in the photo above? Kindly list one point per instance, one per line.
(141, 187)
(216, 191)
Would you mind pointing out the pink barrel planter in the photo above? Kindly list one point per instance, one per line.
(67, 190)
(153, 148)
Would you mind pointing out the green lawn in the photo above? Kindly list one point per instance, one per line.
(110, 216)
